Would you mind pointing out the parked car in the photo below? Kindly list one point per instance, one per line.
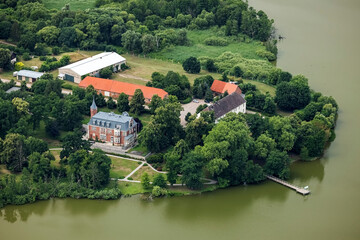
(196, 101)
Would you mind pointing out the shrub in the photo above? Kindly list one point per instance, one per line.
(43, 58)
(67, 86)
(155, 158)
(130, 178)
(55, 50)
(187, 100)
(26, 56)
(106, 72)
(19, 66)
(158, 191)
(216, 41)
(210, 65)
(266, 54)
(159, 180)
(201, 107)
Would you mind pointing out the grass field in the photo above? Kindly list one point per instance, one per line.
(74, 4)
(56, 154)
(144, 67)
(129, 188)
(120, 167)
(197, 48)
(137, 175)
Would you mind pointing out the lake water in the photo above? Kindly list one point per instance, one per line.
(322, 42)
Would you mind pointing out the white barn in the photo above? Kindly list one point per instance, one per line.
(234, 102)
(91, 66)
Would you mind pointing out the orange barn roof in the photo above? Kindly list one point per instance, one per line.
(222, 87)
(121, 87)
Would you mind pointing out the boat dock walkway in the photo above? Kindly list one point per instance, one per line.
(300, 190)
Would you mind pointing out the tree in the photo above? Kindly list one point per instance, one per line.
(137, 102)
(156, 102)
(5, 58)
(281, 130)
(277, 164)
(35, 145)
(49, 35)
(173, 165)
(159, 180)
(209, 97)
(294, 94)
(39, 166)
(284, 77)
(55, 50)
(192, 170)
(195, 130)
(131, 40)
(210, 65)
(191, 65)
(145, 181)
(8, 116)
(14, 150)
(111, 103)
(224, 77)
(72, 142)
(123, 103)
(238, 72)
(15, 31)
(263, 146)
(148, 43)
(164, 128)
(106, 72)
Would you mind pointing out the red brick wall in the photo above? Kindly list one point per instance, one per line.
(108, 134)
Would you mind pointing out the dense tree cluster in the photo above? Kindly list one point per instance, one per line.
(173, 83)
(138, 26)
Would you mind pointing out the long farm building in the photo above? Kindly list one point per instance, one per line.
(112, 88)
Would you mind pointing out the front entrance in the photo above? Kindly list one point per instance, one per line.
(69, 78)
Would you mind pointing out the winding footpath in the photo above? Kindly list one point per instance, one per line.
(143, 162)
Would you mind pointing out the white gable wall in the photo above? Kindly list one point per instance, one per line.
(239, 109)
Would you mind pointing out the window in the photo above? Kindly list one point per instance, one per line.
(103, 137)
(117, 140)
(112, 139)
(102, 131)
(109, 131)
(93, 128)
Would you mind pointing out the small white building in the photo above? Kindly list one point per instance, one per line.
(27, 75)
(234, 102)
(91, 66)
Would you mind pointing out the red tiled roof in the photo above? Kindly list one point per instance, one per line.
(121, 87)
(222, 87)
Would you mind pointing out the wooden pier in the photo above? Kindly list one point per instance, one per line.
(300, 190)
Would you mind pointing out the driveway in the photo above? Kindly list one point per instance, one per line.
(190, 107)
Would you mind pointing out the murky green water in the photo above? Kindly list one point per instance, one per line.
(322, 42)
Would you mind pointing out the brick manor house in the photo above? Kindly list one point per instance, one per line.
(120, 130)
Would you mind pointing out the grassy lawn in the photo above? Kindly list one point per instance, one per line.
(56, 154)
(131, 188)
(74, 4)
(41, 133)
(120, 167)
(137, 175)
(139, 148)
(197, 47)
(143, 68)
(262, 87)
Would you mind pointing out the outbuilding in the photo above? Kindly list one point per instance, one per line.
(28, 76)
(91, 66)
(234, 102)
